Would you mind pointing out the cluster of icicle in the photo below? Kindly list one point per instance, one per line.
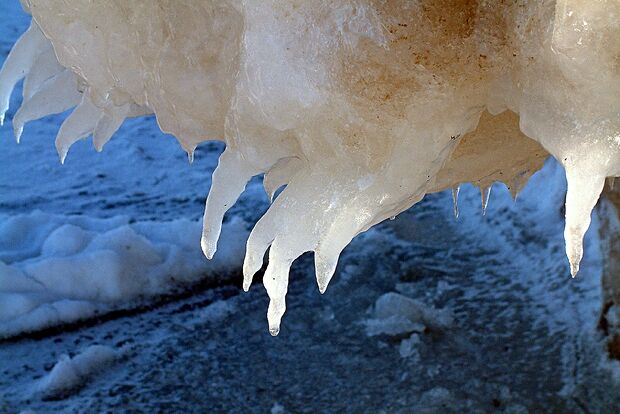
(355, 106)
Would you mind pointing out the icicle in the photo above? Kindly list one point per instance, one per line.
(78, 125)
(45, 67)
(228, 182)
(484, 197)
(190, 155)
(275, 281)
(265, 232)
(19, 62)
(329, 248)
(56, 95)
(455, 200)
(324, 266)
(108, 124)
(261, 236)
(280, 174)
(611, 181)
(584, 189)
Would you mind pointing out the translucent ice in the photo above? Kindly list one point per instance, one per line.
(20, 62)
(357, 108)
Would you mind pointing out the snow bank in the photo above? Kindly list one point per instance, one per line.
(69, 374)
(56, 269)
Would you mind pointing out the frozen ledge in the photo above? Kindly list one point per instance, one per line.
(359, 108)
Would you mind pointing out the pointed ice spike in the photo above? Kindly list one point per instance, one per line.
(584, 190)
(484, 197)
(56, 95)
(78, 125)
(228, 182)
(280, 174)
(261, 237)
(328, 252)
(45, 67)
(455, 200)
(324, 268)
(190, 156)
(19, 62)
(108, 124)
(275, 281)
(611, 181)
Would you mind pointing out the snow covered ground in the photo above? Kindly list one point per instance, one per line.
(58, 269)
(426, 313)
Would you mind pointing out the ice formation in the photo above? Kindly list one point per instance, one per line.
(359, 108)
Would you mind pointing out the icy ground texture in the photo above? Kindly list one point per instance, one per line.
(354, 106)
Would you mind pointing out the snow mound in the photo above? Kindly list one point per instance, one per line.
(70, 374)
(57, 269)
(395, 314)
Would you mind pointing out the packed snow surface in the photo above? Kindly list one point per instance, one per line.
(355, 107)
